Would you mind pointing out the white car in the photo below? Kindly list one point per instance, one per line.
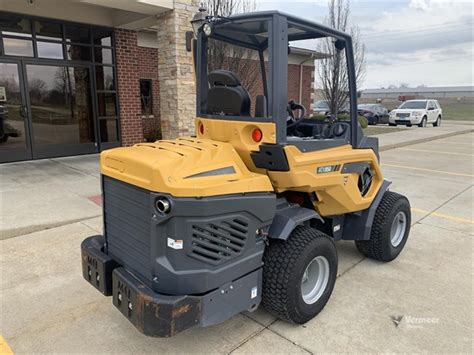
(419, 112)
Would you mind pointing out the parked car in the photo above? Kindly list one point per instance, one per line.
(322, 107)
(419, 112)
(375, 113)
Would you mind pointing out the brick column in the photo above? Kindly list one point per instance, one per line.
(175, 70)
(127, 56)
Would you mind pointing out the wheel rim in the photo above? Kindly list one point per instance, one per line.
(399, 225)
(315, 279)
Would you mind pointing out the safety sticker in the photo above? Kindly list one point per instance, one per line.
(253, 293)
(175, 244)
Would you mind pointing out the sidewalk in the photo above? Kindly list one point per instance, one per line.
(42, 194)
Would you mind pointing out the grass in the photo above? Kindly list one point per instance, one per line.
(461, 109)
(374, 130)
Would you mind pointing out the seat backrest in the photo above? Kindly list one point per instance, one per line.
(226, 95)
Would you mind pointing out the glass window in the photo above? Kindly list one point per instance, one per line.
(413, 105)
(78, 52)
(146, 97)
(103, 55)
(61, 110)
(48, 30)
(50, 50)
(102, 38)
(13, 25)
(106, 103)
(105, 78)
(20, 47)
(78, 34)
(108, 130)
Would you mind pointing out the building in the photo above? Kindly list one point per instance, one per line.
(439, 92)
(81, 76)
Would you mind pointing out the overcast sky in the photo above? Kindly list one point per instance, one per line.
(416, 42)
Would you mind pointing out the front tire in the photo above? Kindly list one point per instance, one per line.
(423, 122)
(390, 228)
(437, 123)
(299, 275)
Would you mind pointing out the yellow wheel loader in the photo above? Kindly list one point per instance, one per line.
(247, 211)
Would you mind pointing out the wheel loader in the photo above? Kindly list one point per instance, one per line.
(246, 212)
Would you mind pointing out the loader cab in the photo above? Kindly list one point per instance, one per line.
(241, 65)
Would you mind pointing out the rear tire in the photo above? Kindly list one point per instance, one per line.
(392, 124)
(437, 123)
(390, 228)
(4, 138)
(423, 122)
(291, 291)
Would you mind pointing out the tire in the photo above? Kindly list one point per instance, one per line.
(437, 123)
(285, 264)
(392, 124)
(376, 120)
(383, 245)
(4, 138)
(423, 122)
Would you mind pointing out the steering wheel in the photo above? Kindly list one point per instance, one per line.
(338, 129)
(291, 108)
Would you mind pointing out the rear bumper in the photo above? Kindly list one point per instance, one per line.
(159, 315)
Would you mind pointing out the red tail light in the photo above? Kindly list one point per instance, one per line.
(257, 135)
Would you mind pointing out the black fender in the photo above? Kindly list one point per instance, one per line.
(287, 217)
(358, 226)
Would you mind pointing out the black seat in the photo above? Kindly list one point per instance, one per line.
(226, 94)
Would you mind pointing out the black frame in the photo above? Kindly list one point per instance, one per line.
(275, 87)
(22, 61)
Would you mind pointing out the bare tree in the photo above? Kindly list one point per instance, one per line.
(332, 70)
(239, 60)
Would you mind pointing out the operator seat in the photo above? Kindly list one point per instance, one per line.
(226, 95)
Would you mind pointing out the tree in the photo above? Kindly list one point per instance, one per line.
(332, 70)
(238, 60)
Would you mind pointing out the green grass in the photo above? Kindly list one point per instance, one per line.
(453, 109)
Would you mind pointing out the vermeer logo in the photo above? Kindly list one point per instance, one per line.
(413, 322)
(396, 320)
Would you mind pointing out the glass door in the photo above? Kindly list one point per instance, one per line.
(14, 142)
(60, 106)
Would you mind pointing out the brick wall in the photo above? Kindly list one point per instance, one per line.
(294, 81)
(293, 86)
(148, 69)
(135, 63)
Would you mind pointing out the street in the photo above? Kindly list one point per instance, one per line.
(420, 302)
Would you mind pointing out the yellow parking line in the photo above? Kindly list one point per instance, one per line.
(428, 170)
(4, 347)
(444, 216)
(435, 151)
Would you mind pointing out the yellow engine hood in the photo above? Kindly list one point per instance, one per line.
(184, 167)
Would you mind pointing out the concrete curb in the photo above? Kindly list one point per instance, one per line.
(424, 140)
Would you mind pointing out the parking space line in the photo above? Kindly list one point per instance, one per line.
(444, 216)
(435, 151)
(4, 347)
(427, 170)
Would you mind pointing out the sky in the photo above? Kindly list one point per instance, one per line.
(414, 42)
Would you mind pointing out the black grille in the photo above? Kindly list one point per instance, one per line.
(127, 217)
(215, 243)
(403, 115)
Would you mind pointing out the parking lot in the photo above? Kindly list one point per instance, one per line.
(421, 302)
